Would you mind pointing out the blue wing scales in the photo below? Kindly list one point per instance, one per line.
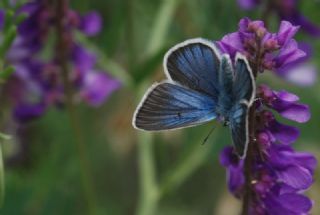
(194, 64)
(240, 128)
(244, 83)
(170, 106)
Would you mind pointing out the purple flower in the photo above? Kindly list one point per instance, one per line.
(97, 87)
(286, 10)
(276, 49)
(91, 23)
(27, 112)
(285, 103)
(234, 166)
(288, 203)
(291, 168)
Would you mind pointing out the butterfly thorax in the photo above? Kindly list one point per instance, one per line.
(223, 114)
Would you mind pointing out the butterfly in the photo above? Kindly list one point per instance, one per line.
(202, 85)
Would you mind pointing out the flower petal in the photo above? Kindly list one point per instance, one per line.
(231, 44)
(289, 53)
(285, 134)
(97, 87)
(296, 177)
(286, 32)
(295, 202)
(293, 111)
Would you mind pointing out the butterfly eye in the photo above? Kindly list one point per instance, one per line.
(226, 123)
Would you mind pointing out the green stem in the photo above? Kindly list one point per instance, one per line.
(148, 187)
(62, 56)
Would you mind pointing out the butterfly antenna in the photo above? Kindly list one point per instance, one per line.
(207, 137)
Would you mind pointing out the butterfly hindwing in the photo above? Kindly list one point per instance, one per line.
(239, 126)
(194, 64)
(169, 106)
(244, 83)
(225, 83)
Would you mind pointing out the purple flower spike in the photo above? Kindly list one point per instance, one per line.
(91, 24)
(277, 49)
(40, 81)
(273, 173)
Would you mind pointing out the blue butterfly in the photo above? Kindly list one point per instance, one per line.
(202, 85)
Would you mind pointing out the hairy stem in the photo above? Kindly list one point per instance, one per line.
(62, 54)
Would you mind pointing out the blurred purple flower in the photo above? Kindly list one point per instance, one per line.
(248, 4)
(97, 86)
(286, 10)
(41, 79)
(91, 23)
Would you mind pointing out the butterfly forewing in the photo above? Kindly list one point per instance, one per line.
(169, 106)
(194, 64)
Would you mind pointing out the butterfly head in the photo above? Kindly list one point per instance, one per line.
(224, 120)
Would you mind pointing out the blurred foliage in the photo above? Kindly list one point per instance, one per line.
(136, 34)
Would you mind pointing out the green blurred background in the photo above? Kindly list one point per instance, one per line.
(134, 172)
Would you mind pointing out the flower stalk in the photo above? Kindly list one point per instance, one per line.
(62, 54)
